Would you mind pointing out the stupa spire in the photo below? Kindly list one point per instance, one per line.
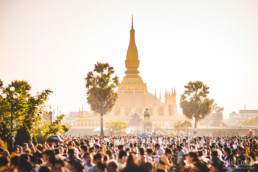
(132, 23)
(132, 61)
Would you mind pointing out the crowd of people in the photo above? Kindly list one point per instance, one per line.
(132, 153)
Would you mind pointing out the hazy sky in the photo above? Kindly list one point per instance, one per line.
(54, 43)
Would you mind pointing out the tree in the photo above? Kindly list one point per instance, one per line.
(101, 85)
(216, 108)
(184, 126)
(44, 129)
(113, 127)
(56, 127)
(250, 122)
(18, 108)
(194, 102)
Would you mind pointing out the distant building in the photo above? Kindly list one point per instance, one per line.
(73, 116)
(236, 119)
(244, 114)
(213, 120)
(248, 114)
(233, 115)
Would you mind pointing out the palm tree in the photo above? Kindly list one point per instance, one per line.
(194, 102)
(101, 85)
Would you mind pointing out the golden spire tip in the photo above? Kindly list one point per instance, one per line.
(132, 21)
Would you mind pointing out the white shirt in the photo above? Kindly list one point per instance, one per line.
(161, 151)
(86, 167)
(116, 142)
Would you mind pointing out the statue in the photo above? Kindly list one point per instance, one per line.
(147, 124)
(147, 114)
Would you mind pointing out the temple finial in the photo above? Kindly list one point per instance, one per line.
(132, 21)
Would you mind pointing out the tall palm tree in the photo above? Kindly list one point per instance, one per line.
(101, 85)
(194, 102)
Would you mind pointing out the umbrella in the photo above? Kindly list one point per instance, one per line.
(145, 134)
(98, 129)
(55, 138)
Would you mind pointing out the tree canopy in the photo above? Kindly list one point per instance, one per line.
(101, 87)
(182, 126)
(194, 101)
(250, 122)
(52, 128)
(26, 109)
(113, 127)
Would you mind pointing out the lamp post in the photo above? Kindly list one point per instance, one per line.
(12, 97)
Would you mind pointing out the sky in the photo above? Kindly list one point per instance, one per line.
(53, 44)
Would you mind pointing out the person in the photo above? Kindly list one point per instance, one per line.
(100, 167)
(15, 161)
(241, 159)
(112, 167)
(58, 153)
(45, 157)
(141, 157)
(96, 148)
(148, 167)
(83, 150)
(180, 156)
(44, 169)
(3, 161)
(75, 165)
(164, 164)
(228, 159)
(122, 159)
(197, 165)
(58, 166)
(15, 152)
(160, 150)
(25, 164)
(96, 158)
(72, 155)
(88, 164)
(149, 155)
(131, 161)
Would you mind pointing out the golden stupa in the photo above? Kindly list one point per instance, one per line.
(133, 99)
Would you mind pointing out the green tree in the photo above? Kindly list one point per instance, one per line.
(186, 125)
(18, 108)
(113, 127)
(250, 122)
(182, 126)
(55, 128)
(194, 102)
(45, 129)
(101, 85)
(216, 108)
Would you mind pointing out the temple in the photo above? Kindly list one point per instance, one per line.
(133, 99)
